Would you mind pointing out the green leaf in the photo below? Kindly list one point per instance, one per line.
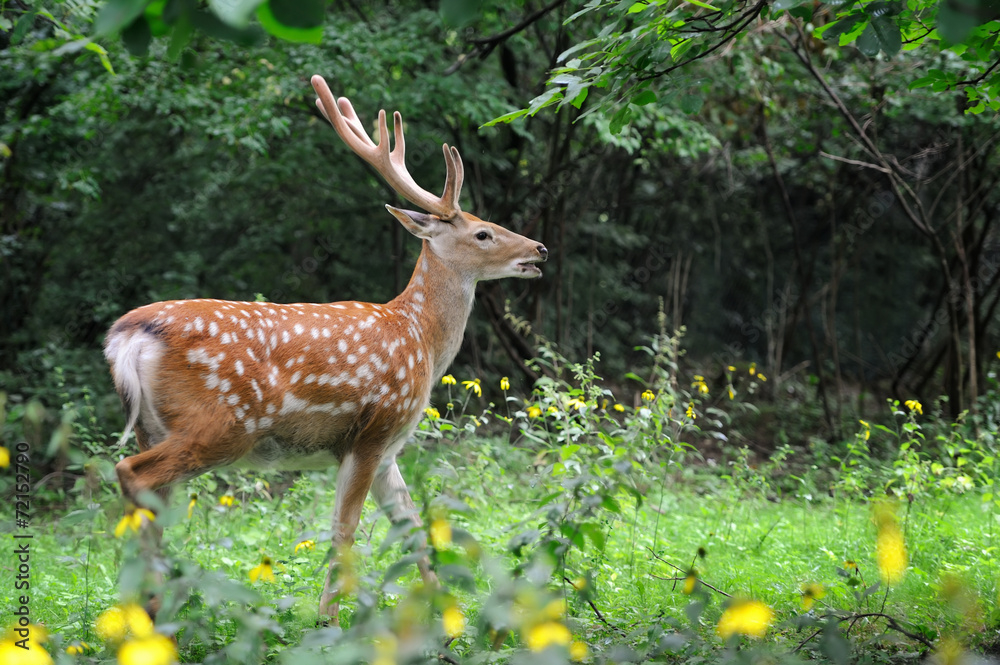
(782, 5)
(703, 5)
(644, 97)
(620, 119)
(303, 14)
(868, 41)
(21, 29)
(955, 23)
(578, 101)
(691, 104)
(838, 28)
(889, 38)
(116, 14)
(507, 117)
(102, 54)
(298, 35)
(137, 36)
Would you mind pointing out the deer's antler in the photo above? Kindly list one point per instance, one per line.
(391, 164)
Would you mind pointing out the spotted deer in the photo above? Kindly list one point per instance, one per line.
(212, 383)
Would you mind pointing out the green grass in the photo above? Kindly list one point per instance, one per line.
(756, 545)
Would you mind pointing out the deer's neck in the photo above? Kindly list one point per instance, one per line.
(439, 300)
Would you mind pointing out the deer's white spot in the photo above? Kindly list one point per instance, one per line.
(225, 385)
(342, 345)
(359, 305)
(250, 353)
(357, 336)
(310, 379)
(251, 425)
(401, 373)
(338, 306)
(257, 390)
(212, 381)
(239, 367)
(351, 358)
(409, 361)
(326, 332)
(271, 409)
(315, 333)
(233, 399)
(299, 329)
(264, 423)
(285, 337)
(418, 296)
(295, 377)
(405, 390)
(199, 325)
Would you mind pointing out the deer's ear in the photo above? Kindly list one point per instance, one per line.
(419, 224)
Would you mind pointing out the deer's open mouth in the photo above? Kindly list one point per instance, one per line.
(529, 269)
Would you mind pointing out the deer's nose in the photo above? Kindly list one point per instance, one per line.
(544, 253)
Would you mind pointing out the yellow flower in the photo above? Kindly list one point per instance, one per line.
(690, 411)
(690, 582)
(453, 621)
(543, 635)
(152, 650)
(264, 571)
(811, 593)
(850, 564)
(551, 410)
(578, 651)
(534, 412)
(620, 408)
(648, 395)
(745, 617)
(116, 622)
(732, 393)
(576, 403)
(914, 405)
(760, 375)
(77, 648)
(191, 504)
(555, 609)
(753, 369)
(307, 545)
(505, 383)
(133, 520)
(440, 533)
(949, 652)
(868, 429)
(34, 654)
(890, 549)
(448, 380)
(699, 383)
(731, 368)
(432, 413)
(226, 500)
(579, 583)
(4, 458)
(474, 386)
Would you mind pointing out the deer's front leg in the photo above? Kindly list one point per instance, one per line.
(354, 478)
(393, 497)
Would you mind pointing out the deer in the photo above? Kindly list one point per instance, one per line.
(210, 383)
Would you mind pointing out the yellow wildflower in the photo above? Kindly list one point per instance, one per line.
(4, 458)
(914, 405)
(699, 384)
(448, 380)
(890, 549)
(868, 429)
(453, 621)
(307, 545)
(551, 410)
(133, 520)
(191, 505)
(432, 413)
(620, 408)
(116, 622)
(745, 617)
(534, 412)
(555, 609)
(811, 593)
(578, 651)
(753, 369)
(850, 564)
(263, 571)
(690, 582)
(226, 500)
(732, 393)
(474, 386)
(648, 395)
(545, 634)
(760, 375)
(579, 583)
(33, 652)
(731, 368)
(155, 649)
(505, 383)
(77, 648)
(576, 403)
(690, 411)
(440, 533)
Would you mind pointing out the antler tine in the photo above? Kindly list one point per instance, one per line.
(390, 163)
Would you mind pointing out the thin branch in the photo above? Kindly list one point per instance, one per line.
(854, 162)
(510, 32)
(978, 79)
(679, 569)
(597, 612)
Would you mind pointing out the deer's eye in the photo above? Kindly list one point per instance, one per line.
(482, 235)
